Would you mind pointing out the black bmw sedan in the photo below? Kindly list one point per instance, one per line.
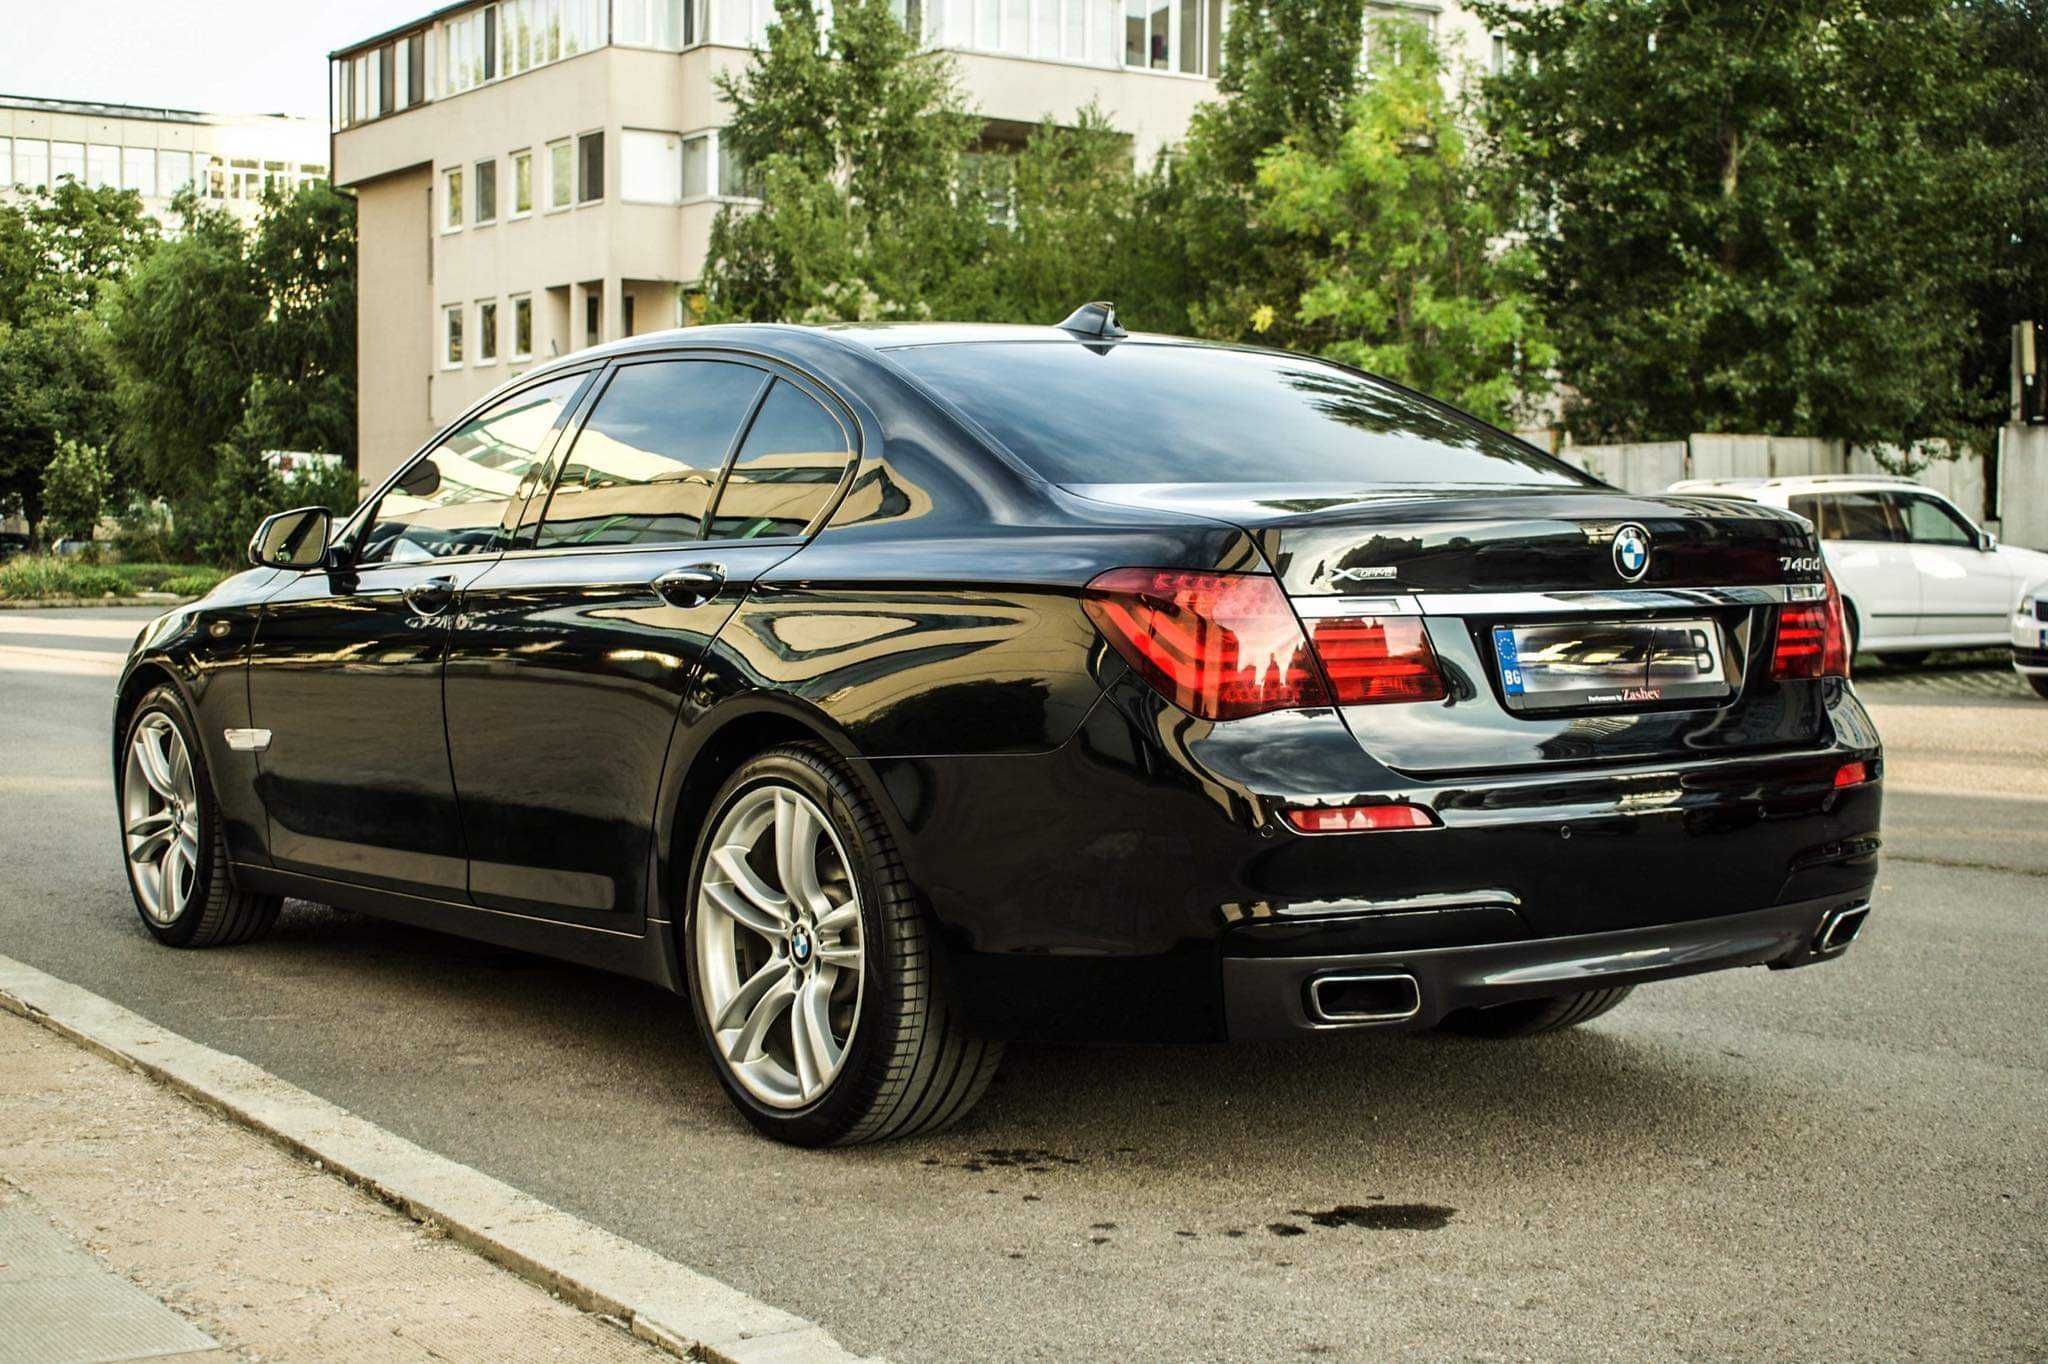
(893, 691)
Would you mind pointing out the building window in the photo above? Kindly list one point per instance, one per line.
(451, 200)
(561, 174)
(522, 183)
(6, 161)
(387, 80)
(67, 162)
(103, 166)
(32, 163)
(173, 172)
(487, 191)
(138, 169)
(451, 336)
(416, 69)
(1388, 26)
(522, 326)
(626, 305)
(487, 332)
(592, 332)
(589, 168)
(649, 23)
(650, 167)
(710, 167)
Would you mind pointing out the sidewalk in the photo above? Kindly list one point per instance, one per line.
(135, 1224)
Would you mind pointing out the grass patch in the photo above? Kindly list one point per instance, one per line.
(42, 578)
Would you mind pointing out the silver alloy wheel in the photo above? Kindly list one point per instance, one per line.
(778, 945)
(160, 818)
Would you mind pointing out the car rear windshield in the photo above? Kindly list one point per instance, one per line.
(1142, 412)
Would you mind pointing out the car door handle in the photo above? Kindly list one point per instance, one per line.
(431, 597)
(691, 586)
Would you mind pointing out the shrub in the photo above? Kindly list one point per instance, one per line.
(75, 486)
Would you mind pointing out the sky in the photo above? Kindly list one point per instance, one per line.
(219, 56)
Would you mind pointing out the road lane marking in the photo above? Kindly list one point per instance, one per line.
(64, 662)
(689, 1314)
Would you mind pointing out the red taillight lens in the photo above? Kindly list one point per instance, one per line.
(1218, 645)
(1813, 638)
(1852, 774)
(1371, 659)
(1356, 819)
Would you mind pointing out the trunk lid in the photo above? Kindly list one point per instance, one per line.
(1505, 577)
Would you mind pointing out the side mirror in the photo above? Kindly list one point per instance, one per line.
(1986, 541)
(294, 539)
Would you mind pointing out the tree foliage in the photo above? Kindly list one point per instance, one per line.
(59, 248)
(75, 487)
(1399, 230)
(53, 385)
(854, 140)
(1759, 217)
(226, 338)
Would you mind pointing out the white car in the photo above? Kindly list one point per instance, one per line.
(1915, 573)
(2030, 637)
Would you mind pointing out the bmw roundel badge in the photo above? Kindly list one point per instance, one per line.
(1631, 552)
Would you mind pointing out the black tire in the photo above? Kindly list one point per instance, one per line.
(1527, 1017)
(910, 1067)
(2039, 682)
(215, 913)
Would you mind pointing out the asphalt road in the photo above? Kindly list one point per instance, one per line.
(1845, 1162)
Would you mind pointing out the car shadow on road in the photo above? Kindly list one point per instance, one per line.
(1601, 1094)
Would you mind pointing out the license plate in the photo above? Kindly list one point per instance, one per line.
(1609, 663)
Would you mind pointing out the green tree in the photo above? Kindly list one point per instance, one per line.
(53, 384)
(75, 486)
(2009, 42)
(1072, 219)
(853, 140)
(303, 257)
(1399, 231)
(183, 336)
(1289, 70)
(1754, 217)
(222, 340)
(60, 248)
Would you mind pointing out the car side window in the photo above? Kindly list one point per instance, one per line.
(1931, 522)
(645, 463)
(787, 469)
(454, 499)
(1813, 509)
(1861, 516)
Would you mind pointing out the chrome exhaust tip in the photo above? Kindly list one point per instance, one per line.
(1347, 998)
(1839, 927)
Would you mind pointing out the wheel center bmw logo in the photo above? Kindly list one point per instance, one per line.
(1631, 552)
(800, 946)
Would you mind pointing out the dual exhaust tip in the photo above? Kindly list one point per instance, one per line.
(1353, 999)
(1839, 927)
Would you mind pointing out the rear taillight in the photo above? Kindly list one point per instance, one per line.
(1218, 645)
(1357, 819)
(1371, 659)
(1813, 638)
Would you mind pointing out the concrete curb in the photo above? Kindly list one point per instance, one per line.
(686, 1313)
(164, 599)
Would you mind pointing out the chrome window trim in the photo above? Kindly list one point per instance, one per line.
(1341, 909)
(1555, 603)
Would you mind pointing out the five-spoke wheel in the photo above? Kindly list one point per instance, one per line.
(779, 945)
(160, 818)
(812, 964)
(171, 836)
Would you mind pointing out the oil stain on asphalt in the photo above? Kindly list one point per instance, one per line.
(1370, 1217)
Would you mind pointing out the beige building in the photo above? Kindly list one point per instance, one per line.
(156, 152)
(536, 176)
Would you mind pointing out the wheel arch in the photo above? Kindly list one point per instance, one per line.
(141, 679)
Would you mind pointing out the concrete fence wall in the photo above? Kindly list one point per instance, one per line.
(2023, 485)
(1654, 466)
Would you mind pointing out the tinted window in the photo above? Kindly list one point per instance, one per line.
(1141, 413)
(1930, 522)
(643, 466)
(1811, 509)
(1860, 516)
(454, 499)
(787, 470)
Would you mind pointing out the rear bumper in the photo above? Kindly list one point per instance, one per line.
(1273, 996)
